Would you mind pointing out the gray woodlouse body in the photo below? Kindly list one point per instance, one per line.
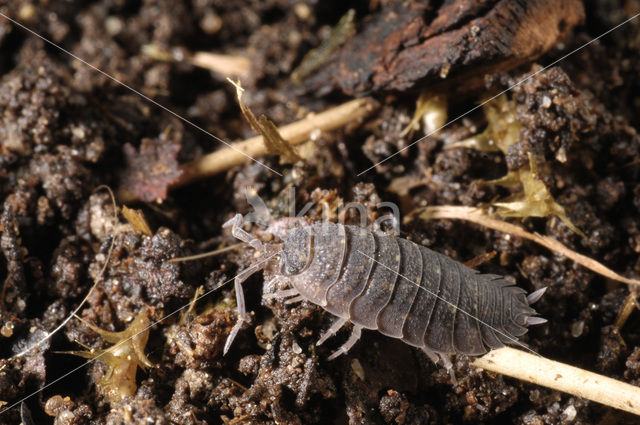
(385, 283)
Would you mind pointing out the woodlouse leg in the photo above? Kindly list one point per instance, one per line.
(285, 293)
(355, 336)
(238, 232)
(446, 362)
(335, 327)
(294, 300)
(433, 356)
(242, 311)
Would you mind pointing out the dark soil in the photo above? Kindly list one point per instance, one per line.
(66, 129)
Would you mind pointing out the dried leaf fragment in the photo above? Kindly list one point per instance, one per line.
(122, 359)
(273, 141)
(503, 129)
(153, 168)
(535, 200)
(298, 132)
(137, 220)
(630, 304)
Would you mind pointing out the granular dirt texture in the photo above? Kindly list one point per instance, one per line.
(66, 129)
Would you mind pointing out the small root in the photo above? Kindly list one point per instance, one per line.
(562, 377)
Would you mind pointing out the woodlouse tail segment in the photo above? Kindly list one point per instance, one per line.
(238, 232)
(536, 295)
(533, 320)
(532, 298)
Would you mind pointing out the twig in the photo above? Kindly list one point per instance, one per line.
(295, 133)
(562, 377)
(478, 216)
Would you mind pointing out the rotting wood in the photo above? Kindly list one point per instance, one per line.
(450, 49)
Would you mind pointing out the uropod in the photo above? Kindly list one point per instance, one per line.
(389, 284)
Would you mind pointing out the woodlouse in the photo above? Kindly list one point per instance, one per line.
(389, 284)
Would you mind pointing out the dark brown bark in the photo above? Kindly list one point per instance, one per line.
(453, 47)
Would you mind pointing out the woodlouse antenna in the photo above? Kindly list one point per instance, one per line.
(206, 254)
(238, 232)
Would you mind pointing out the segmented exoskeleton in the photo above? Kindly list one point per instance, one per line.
(389, 284)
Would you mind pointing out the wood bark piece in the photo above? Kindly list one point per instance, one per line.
(452, 47)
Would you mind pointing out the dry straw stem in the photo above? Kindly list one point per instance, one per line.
(226, 65)
(562, 377)
(478, 216)
(294, 133)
